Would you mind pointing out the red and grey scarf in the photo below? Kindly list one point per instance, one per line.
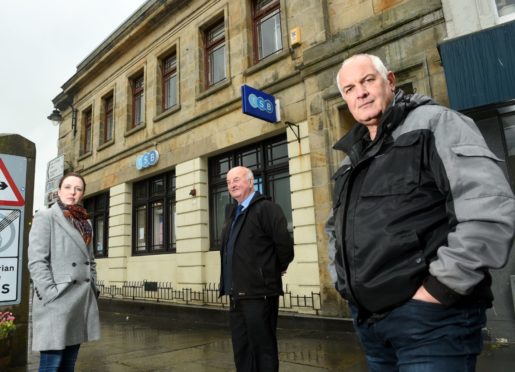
(79, 217)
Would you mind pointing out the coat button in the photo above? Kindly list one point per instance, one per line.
(86, 263)
(74, 264)
(87, 280)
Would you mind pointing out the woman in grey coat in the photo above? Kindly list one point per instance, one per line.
(63, 272)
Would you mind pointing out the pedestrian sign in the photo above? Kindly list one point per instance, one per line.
(9, 193)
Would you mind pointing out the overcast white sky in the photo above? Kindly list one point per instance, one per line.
(42, 42)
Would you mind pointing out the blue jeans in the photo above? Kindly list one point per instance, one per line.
(423, 337)
(59, 360)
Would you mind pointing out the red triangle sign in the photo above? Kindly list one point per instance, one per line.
(9, 193)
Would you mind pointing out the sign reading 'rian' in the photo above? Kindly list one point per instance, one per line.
(258, 104)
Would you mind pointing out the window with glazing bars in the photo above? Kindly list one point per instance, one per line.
(268, 161)
(267, 28)
(108, 120)
(169, 81)
(214, 43)
(138, 100)
(98, 209)
(86, 142)
(154, 215)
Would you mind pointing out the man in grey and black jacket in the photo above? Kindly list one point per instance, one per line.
(421, 212)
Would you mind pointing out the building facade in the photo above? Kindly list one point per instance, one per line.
(478, 58)
(153, 120)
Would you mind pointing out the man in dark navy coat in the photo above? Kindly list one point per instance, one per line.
(256, 251)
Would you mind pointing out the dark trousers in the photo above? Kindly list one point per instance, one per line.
(254, 336)
(423, 337)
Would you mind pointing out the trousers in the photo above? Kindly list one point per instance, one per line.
(254, 334)
(59, 360)
(423, 337)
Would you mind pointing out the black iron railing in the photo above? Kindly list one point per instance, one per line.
(208, 295)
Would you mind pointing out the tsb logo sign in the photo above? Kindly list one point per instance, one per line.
(146, 160)
(259, 104)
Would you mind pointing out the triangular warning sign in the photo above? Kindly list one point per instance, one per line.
(9, 193)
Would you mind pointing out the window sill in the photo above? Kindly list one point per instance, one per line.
(85, 155)
(270, 60)
(105, 145)
(137, 128)
(215, 88)
(170, 111)
(153, 253)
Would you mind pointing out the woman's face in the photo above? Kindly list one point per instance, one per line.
(71, 190)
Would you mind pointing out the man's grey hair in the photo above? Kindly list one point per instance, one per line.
(376, 61)
(248, 174)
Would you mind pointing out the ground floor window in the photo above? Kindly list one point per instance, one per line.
(268, 160)
(154, 215)
(98, 208)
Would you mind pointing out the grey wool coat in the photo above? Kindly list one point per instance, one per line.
(63, 272)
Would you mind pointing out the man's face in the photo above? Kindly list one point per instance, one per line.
(367, 94)
(238, 185)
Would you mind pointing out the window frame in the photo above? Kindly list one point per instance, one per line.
(503, 18)
(108, 118)
(138, 100)
(144, 198)
(210, 46)
(166, 75)
(98, 206)
(258, 16)
(264, 169)
(87, 120)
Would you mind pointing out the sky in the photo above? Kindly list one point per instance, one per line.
(41, 44)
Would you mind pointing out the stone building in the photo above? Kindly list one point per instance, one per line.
(153, 120)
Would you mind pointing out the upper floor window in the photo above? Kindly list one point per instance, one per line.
(87, 119)
(154, 215)
(268, 161)
(505, 9)
(169, 79)
(98, 208)
(138, 100)
(108, 118)
(214, 44)
(267, 28)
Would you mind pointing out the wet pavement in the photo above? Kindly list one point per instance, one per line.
(145, 339)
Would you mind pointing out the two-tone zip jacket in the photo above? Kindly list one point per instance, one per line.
(263, 249)
(426, 203)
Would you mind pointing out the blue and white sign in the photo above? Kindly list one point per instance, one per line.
(258, 104)
(146, 160)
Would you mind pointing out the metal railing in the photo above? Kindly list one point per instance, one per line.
(208, 295)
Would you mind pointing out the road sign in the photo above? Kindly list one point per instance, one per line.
(9, 192)
(54, 173)
(13, 172)
(55, 167)
(258, 104)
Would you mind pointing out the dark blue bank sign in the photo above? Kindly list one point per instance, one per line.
(258, 104)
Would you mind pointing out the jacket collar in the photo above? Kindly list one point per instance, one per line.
(391, 119)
